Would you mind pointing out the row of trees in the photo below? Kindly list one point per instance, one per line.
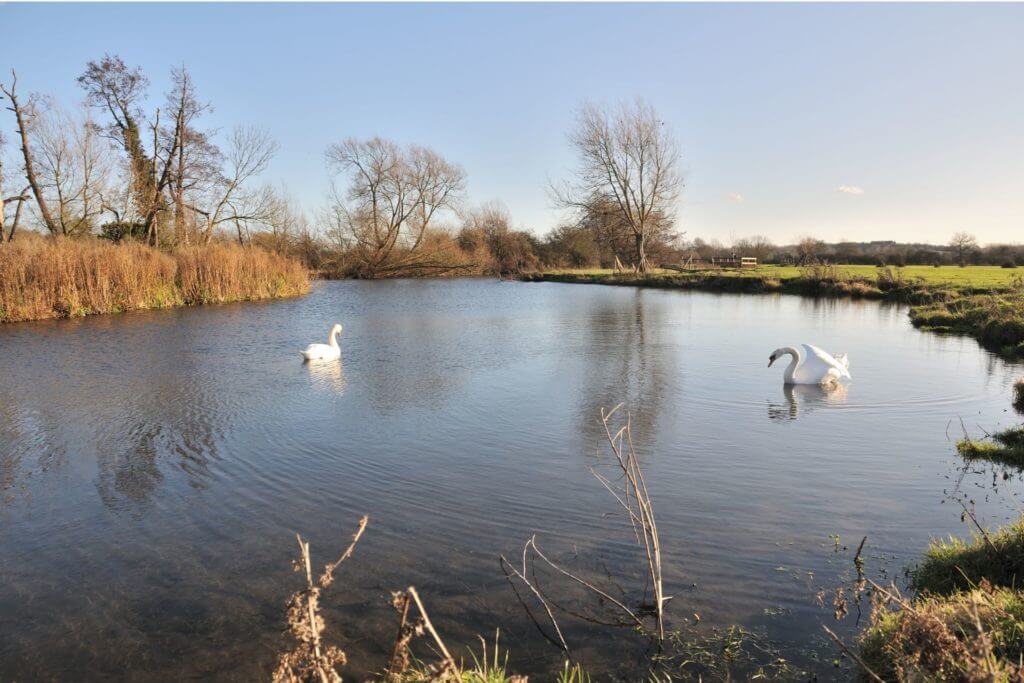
(113, 169)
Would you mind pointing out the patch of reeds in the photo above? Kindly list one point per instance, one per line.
(58, 278)
(625, 481)
(1018, 396)
(310, 659)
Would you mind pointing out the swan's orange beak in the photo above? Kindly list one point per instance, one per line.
(771, 359)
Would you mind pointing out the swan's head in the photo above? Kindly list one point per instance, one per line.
(336, 329)
(775, 356)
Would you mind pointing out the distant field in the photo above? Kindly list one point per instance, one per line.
(988, 277)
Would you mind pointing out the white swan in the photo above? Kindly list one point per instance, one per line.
(812, 365)
(328, 351)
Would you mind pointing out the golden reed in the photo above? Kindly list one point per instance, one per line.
(42, 277)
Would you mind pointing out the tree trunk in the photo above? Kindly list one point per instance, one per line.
(641, 254)
(30, 171)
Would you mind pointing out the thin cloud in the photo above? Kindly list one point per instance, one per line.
(735, 198)
(850, 189)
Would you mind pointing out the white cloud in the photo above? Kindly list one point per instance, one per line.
(850, 189)
(735, 198)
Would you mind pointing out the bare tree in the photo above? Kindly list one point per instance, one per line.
(758, 246)
(807, 249)
(227, 200)
(23, 118)
(73, 169)
(196, 165)
(393, 196)
(962, 243)
(20, 198)
(630, 156)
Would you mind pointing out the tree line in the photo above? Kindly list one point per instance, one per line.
(115, 170)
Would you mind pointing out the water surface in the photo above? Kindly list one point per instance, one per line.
(154, 467)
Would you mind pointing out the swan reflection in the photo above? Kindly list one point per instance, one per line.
(804, 398)
(327, 374)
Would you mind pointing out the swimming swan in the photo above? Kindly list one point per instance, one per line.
(329, 351)
(812, 365)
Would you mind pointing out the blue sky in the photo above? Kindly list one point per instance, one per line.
(919, 106)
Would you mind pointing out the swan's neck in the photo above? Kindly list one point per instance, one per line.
(333, 339)
(792, 364)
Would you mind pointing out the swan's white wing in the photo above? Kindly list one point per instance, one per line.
(818, 365)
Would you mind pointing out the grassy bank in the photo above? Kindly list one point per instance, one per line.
(967, 619)
(58, 278)
(984, 302)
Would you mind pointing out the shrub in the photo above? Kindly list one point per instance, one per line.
(971, 636)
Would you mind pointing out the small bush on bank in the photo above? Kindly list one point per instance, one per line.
(976, 635)
(42, 277)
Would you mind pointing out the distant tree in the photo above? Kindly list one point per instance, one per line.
(758, 246)
(631, 157)
(572, 246)
(808, 250)
(511, 251)
(963, 243)
(393, 197)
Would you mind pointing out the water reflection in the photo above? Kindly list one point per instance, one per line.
(627, 344)
(805, 398)
(327, 375)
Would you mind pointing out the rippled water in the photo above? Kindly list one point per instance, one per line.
(154, 467)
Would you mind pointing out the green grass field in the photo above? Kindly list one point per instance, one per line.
(979, 277)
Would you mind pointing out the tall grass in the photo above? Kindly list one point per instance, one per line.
(57, 278)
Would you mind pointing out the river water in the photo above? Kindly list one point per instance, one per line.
(155, 467)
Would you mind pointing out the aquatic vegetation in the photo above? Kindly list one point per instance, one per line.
(1004, 448)
(58, 278)
(1018, 395)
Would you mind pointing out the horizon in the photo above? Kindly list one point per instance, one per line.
(845, 122)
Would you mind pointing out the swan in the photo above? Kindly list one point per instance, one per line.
(811, 365)
(328, 351)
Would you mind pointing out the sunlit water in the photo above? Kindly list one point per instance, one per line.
(154, 468)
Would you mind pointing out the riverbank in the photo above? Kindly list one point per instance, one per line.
(986, 303)
(60, 278)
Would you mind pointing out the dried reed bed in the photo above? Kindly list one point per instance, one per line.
(58, 278)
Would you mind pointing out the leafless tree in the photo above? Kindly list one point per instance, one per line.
(23, 117)
(807, 249)
(195, 167)
(963, 243)
(20, 199)
(630, 156)
(758, 246)
(393, 196)
(228, 200)
(73, 169)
